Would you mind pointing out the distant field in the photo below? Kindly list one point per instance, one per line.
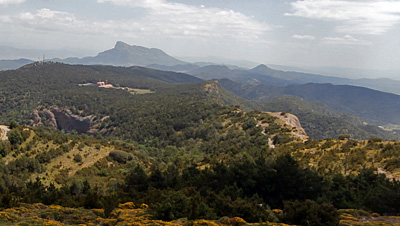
(130, 90)
(135, 91)
(391, 127)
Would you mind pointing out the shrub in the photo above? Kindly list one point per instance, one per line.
(110, 202)
(374, 140)
(78, 158)
(344, 137)
(15, 137)
(13, 124)
(120, 156)
(309, 213)
(127, 205)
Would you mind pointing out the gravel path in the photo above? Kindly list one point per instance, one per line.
(4, 131)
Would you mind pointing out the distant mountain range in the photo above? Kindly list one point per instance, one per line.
(320, 121)
(353, 73)
(130, 55)
(265, 75)
(262, 82)
(7, 53)
(121, 55)
(14, 64)
(371, 106)
(126, 55)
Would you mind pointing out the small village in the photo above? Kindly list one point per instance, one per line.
(104, 84)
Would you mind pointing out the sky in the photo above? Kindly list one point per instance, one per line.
(317, 33)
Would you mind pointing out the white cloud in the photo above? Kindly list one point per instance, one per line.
(345, 40)
(26, 16)
(47, 13)
(9, 2)
(373, 17)
(177, 28)
(304, 37)
(171, 21)
(179, 20)
(5, 19)
(46, 19)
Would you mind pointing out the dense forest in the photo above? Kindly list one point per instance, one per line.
(187, 150)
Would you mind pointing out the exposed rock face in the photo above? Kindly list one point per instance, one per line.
(43, 117)
(35, 119)
(213, 89)
(292, 122)
(63, 120)
(50, 118)
(68, 121)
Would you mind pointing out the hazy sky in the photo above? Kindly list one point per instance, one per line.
(344, 33)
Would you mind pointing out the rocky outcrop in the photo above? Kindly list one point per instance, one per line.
(68, 121)
(35, 119)
(62, 119)
(43, 117)
(292, 122)
(50, 118)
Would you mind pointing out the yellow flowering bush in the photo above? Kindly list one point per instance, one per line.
(98, 212)
(128, 205)
(237, 221)
(5, 216)
(204, 223)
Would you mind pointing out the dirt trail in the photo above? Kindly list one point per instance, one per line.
(388, 174)
(3, 132)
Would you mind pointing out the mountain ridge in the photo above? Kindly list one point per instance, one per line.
(123, 54)
(265, 75)
(372, 106)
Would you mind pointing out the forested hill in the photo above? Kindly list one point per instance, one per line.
(318, 119)
(56, 95)
(372, 106)
(321, 122)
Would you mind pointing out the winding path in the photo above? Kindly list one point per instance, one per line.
(4, 131)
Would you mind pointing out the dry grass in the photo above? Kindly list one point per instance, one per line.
(65, 164)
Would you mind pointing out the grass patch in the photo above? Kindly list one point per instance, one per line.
(136, 91)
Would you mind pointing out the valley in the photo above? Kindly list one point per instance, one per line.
(94, 138)
(200, 113)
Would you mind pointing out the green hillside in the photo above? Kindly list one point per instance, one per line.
(230, 173)
(37, 86)
(187, 149)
